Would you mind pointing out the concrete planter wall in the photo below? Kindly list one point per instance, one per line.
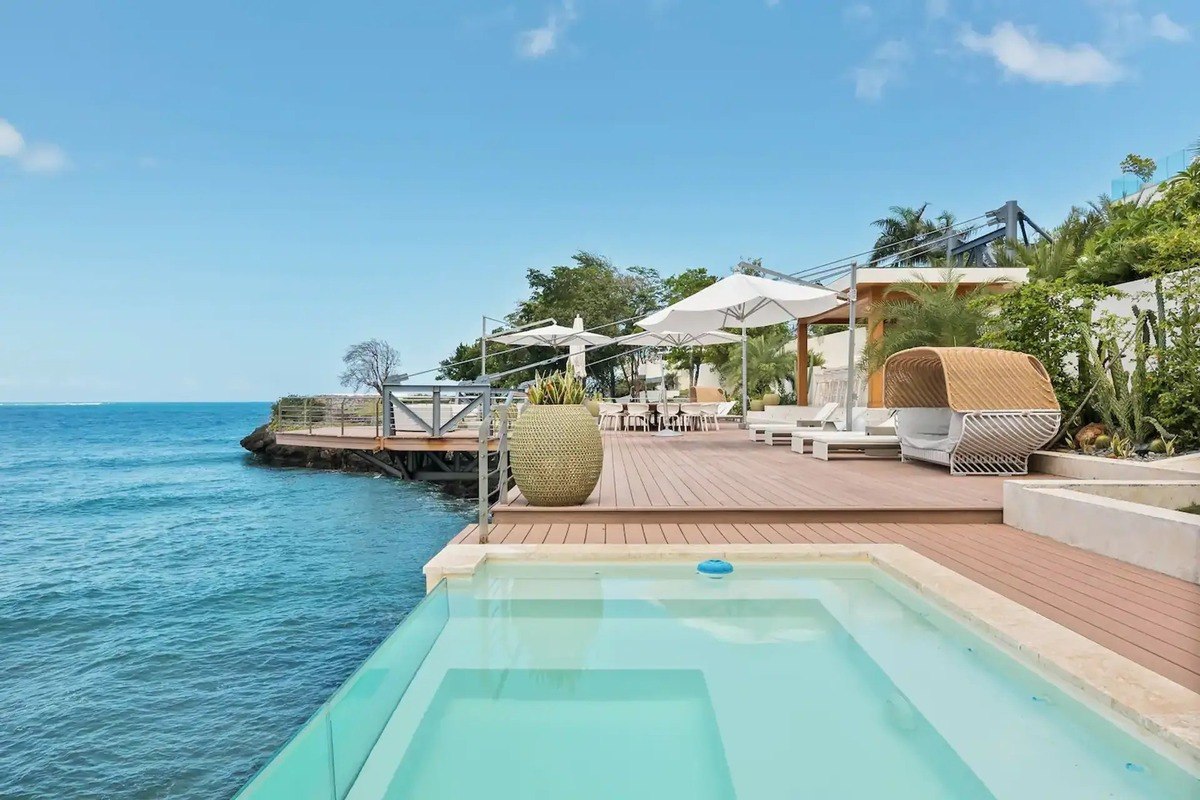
(1134, 521)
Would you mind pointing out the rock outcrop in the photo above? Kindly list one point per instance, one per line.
(261, 442)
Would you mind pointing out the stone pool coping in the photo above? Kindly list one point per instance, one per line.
(1153, 704)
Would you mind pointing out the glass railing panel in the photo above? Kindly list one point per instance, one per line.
(360, 710)
(322, 761)
(302, 770)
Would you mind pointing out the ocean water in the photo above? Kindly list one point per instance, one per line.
(170, 611)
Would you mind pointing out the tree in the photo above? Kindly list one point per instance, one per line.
(675, 288)
(906, 234)
(1138, 165)
(1051, 320)
(1154, 238)
(592, 287)
(369, 363)
(922, 313)
(768, 364)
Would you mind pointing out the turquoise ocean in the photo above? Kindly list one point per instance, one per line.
(171, 611)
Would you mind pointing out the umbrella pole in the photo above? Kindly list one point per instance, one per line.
(745, 398)
(851, 371)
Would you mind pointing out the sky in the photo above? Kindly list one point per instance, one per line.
(211, 201)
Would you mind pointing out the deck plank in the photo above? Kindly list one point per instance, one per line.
(721, 476)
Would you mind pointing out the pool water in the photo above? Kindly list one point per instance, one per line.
(632, 681)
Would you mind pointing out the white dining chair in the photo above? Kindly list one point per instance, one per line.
(611, 416)
(692, 418)
(637, 415)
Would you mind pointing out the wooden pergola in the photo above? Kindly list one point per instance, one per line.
(872, 287)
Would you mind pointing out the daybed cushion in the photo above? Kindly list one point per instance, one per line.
(929, 428)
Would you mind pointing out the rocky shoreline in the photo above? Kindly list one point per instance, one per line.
(261, 443)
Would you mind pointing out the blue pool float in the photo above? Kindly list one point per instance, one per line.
(714, 568)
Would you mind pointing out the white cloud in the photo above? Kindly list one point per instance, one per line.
(43, 157)
(1164, 27)
(36, 157)
(859, 12)
(11, 140)
(885, 66)
(541, 41)
(1021, 53)
(936, 9)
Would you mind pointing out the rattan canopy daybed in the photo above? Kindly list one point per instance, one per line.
(978, 411)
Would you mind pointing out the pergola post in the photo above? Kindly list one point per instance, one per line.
(801, 363)
(874, 334)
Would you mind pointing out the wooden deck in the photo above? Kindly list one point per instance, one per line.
(364, 438)
(721, 476)
(1145, 616)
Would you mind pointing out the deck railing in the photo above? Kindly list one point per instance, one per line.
(326, 756)
(314, 413)
(439, 409)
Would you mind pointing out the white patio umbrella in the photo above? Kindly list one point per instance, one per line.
(675, 339)
(552, 336)
(745, 301)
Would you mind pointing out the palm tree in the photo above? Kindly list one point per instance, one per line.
(1044, 259)
(906, 234)
(922, 313)
(768, 364)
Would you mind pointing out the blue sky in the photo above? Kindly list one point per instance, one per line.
(211, 201)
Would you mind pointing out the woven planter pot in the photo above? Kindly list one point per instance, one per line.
(756, 405)
(556, 455)
(771, 399)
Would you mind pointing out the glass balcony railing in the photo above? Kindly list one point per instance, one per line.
(322, 761)
(1167, 167)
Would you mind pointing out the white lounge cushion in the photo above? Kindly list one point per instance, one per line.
(929, 428)
(923, 421)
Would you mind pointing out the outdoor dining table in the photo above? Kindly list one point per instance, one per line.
(655, 421)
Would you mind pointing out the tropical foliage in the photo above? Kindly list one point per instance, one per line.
(923, 313)
(768, 365)
(556, 389)
(905, 234)
(1049, 319)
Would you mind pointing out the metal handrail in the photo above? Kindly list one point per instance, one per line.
(333, 412)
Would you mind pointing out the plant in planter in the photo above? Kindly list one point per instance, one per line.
(771, 399)
(555, 447)
(593, 404)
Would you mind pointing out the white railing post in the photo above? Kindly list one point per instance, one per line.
(485, 429)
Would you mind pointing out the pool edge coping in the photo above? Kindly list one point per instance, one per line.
(1155, 705)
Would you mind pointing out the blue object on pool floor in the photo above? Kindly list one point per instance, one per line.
(714, 568)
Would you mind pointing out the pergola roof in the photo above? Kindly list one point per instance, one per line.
(967, 379)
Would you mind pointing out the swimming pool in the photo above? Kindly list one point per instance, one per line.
(605, 680)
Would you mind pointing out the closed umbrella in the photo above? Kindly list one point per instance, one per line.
(743, 301)
(577, 361)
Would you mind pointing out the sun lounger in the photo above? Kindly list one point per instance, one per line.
(775, 426)
(857, 444)
(803, 441)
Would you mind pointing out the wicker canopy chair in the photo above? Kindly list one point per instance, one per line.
(978, 411)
